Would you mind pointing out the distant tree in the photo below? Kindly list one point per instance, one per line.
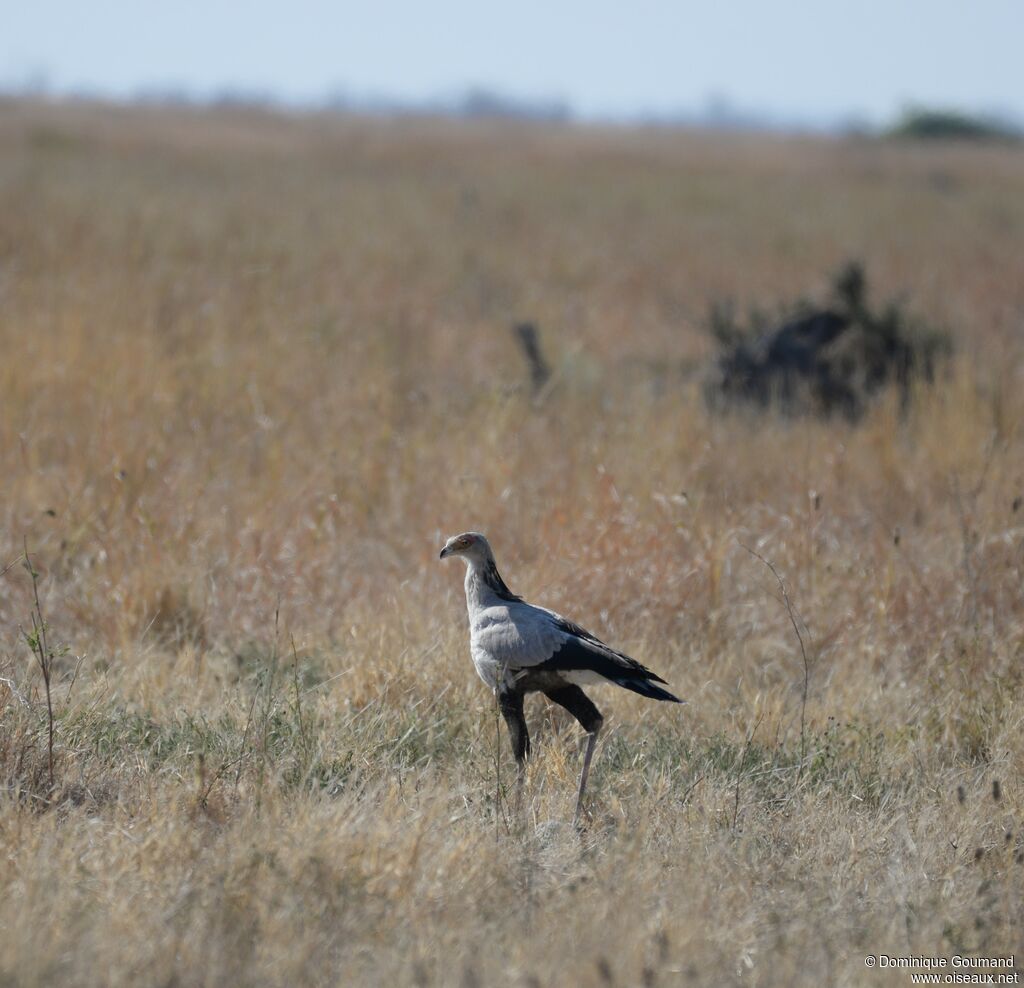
(487, 104)
(822, 360)
(923, 124)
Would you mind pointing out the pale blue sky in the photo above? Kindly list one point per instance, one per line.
(797, 59)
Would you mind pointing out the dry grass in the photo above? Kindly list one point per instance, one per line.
(258, 365)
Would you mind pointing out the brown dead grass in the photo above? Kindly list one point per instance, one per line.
(258, 365)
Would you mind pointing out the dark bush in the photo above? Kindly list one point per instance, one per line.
(951, 125)
(822, 360)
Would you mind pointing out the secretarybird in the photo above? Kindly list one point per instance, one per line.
(519, 648)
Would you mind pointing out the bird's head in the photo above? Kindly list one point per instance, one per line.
(472, 546)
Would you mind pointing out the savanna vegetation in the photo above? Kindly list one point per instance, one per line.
(256, 368)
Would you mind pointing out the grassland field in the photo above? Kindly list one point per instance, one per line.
(257, 367)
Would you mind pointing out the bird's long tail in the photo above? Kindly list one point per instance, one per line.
(646, 688)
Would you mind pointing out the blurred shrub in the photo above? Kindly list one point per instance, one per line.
(919, 124)
(822, 360)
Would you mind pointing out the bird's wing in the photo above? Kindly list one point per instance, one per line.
(578, 649)
(523, 636)
(516, 635)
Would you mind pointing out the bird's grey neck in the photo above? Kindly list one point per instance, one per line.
(484, 583)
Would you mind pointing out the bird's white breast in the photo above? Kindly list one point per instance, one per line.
(509, 637)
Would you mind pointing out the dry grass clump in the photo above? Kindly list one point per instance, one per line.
(256, 368)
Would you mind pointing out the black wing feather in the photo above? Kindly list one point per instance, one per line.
(582, 650)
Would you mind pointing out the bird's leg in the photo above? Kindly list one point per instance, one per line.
(578, 704)
(587, 756)
(510, 701)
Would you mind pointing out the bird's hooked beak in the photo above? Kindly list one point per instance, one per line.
(445, 552)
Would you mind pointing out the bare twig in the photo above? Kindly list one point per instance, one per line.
(529, 342)
(306, 740)
(15, 692)
(326, 682)
(298, 694)
(206, 789)
(240, 759)
(689, 789)
(14, 562)
(739, 771)
(40, 647)
(968, 542)
(74, 679)
(805, 689)
(268, 704)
